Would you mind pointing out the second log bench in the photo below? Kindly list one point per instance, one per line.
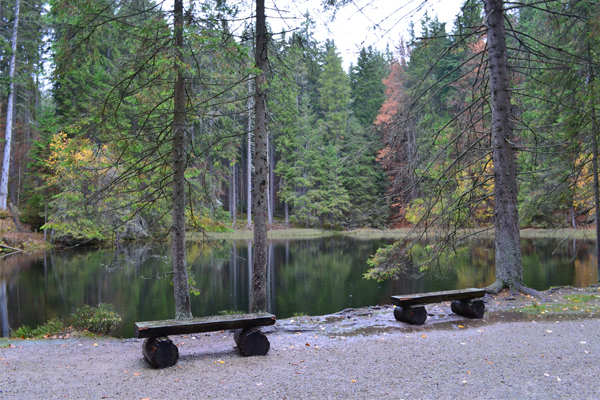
(161, 352)
(466, 302)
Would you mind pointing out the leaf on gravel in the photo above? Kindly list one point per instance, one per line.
(95, 344)
(307, 344)
(423, 336)
(461, 326)
(136, 373)
(353, 380)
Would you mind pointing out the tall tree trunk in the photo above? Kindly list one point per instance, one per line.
(509, 266)
(594, 134)
(232, 193)
(271, 178)
(9, 110)
(249, 158)
(258, 296)
(269, 184)
(180, 272)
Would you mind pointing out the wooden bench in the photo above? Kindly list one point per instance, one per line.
(161, 352)
(465, 302)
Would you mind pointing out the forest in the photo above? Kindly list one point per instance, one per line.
(402, 138)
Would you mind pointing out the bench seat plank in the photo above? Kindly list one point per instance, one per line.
(437, 297)
(205, 324)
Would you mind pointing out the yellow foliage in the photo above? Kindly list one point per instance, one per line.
(583, 198)
(72, 159)
(472, 196)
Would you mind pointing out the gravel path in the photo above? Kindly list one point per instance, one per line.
(365, 355)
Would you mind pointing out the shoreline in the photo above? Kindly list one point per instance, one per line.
(301, 233)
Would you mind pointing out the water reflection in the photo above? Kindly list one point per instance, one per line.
(313, 276)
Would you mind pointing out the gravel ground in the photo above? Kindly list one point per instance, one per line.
(362, 354)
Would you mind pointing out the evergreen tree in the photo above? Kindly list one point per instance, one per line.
(366, 84)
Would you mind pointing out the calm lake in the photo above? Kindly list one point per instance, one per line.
(312, 276)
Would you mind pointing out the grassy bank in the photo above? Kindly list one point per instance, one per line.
(299, 233)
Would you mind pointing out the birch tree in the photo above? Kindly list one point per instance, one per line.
(9, 110)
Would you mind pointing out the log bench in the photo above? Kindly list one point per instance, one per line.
(465, 302)
(161, 352)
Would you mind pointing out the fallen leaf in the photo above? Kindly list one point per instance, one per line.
(104, 397)
(461, 326)
(125, 371)
(175, 380)
(95, 344)
(136, 373)
(353, 381)
(469, 372)
(146, 398)
(491, 363)
(221, 362)
(307, 344)
(423, 336)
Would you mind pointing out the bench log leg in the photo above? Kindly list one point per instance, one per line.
(251, 342)
(468, 308)
(415, 315)
(160, 352)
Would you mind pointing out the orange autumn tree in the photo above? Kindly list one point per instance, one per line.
(435, 126)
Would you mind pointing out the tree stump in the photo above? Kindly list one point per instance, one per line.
(468, 308)
(415, 315)
(251, 342)
(160, 352)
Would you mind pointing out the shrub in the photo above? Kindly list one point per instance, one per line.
(101, 319)
(52, 327)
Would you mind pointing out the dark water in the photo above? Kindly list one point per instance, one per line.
(313, 276)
